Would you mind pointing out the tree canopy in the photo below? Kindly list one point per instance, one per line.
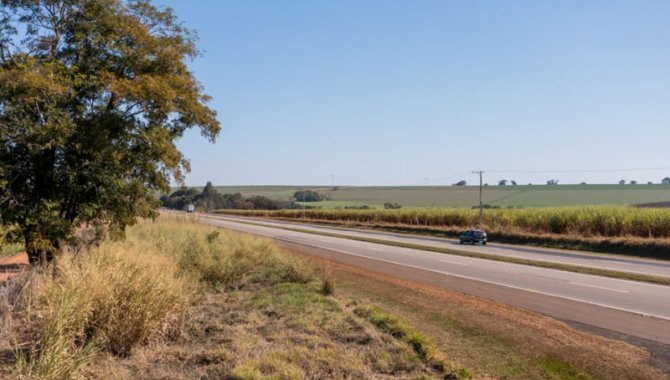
(309, 196)
(93, 96)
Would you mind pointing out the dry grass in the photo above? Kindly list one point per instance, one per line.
(219, 259)
(114, 298)
(329, 283)
(177, 299)
(285, 331)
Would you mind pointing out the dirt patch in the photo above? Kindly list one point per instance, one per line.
(492, 338)
(660, 353)
(12, 265)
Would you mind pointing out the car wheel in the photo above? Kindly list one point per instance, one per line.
(483, 243)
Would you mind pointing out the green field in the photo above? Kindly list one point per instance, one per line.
(467, 196)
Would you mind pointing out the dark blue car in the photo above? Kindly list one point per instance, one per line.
(473, 237)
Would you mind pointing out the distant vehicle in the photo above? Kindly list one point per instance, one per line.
(189, 208)
(473, 237)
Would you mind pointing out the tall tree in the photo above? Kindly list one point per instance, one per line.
(93, 95)
(208, 194)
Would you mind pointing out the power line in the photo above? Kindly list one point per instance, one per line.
(580, 170)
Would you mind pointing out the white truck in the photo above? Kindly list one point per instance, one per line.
(189, 208)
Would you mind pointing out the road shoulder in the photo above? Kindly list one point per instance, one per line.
(490, 337)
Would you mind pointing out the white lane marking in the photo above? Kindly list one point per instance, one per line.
(375, 248)
(644, 314)
(599, 287)
(453, 262)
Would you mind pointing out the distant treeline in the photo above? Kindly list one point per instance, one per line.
(210, 199)
(310, 196)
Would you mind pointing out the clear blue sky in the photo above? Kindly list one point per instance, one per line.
(396, 92)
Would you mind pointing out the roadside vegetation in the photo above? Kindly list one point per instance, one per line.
(8, 244)
(10, 249)
(637, 231)
(176, 299)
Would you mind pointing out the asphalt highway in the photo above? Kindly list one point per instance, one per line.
(584, 259)
(633, 308)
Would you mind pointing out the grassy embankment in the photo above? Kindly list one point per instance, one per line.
(178, 300)
(626, 230)
(499, 341)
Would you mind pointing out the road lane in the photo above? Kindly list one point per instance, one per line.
(612, 262)
(630, 296)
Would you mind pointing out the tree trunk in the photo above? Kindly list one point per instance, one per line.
(33, 257)
(39, 252)
(40, 256)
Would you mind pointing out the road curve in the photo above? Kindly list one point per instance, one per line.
(634, 308)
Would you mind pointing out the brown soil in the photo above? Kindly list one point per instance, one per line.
(654, 205)
(12, 265)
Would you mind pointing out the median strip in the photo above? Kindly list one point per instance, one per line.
(513, 260)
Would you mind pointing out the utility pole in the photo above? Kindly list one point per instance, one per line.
(303, 205)
(481, 202)
(332, 181)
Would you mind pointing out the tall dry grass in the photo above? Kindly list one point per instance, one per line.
(112, 298)
(579, 221)
(128, 293)
(220, 258)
